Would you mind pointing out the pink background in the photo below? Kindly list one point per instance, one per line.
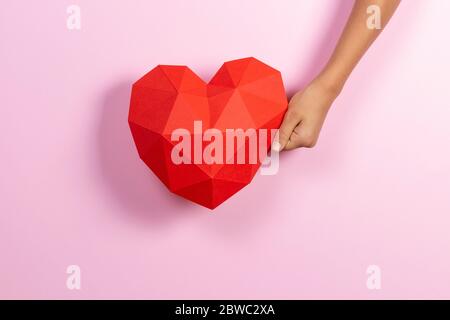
(73, 191)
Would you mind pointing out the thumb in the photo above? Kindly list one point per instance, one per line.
(287, 126)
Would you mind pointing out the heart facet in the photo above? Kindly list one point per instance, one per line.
(245, 94)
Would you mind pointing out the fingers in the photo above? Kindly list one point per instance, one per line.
(302, 137)
(290, 121)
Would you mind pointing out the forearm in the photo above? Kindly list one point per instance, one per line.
(308, 108)
(354, 42)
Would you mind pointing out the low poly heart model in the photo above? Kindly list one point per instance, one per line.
(244, 94)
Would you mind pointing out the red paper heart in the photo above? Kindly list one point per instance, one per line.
(244, 94)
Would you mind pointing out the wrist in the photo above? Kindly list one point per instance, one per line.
(331, 81)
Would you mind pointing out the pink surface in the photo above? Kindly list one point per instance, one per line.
(73, 191)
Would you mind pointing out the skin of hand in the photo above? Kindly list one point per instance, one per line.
(308, 108)
(305, 116)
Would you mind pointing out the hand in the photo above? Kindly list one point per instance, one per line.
(305, 116)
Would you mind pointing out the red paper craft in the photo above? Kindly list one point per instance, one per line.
(244, 94)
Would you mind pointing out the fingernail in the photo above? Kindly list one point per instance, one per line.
(276, 146)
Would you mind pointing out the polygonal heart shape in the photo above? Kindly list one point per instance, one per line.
(245, 96)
